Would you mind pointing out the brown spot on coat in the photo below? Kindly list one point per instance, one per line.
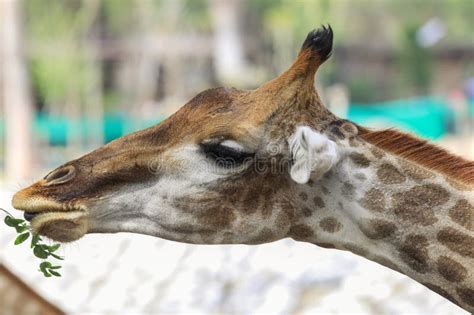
(389, 174)
(414, 252)
(282, 221)
(374, 200)
(286, 215)
(457, 241)
(303, 196)
(267, 195)
(318, 202)
(378, 153)
(356, 249)
(463, 214)
(416, 205)
(354, 142)
(330, 224)
(264, 236)
(377, 228)
(335, 131)
(219, 217)
(251, 201)
(415, 172)
(300, 232)
(230, 194)
(466, 295)
(359, 159)
(288, 207)
(307, 212)
(450, 269)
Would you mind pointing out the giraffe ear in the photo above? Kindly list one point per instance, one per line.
(313, 154)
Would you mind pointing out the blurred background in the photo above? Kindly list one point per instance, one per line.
(75, 74)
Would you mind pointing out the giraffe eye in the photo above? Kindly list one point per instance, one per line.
(225, 156)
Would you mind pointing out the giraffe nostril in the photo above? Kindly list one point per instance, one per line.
(61, 175)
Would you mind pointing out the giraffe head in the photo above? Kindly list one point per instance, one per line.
(220, 170)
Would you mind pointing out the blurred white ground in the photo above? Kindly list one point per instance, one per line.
(135, 274)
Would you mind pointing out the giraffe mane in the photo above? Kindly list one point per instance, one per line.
(421, 152)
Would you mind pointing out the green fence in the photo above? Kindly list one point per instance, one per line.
(427, 117)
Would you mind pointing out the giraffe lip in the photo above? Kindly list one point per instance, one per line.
(34, 207)
(30, 216)
(61, 226)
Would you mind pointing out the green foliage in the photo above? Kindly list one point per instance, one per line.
(40, 250)
(10, 221)
(49, 269)
(414, 62)
(60, 67)
(197, 15)
(61, 36)
(118, 16)
(21, 238)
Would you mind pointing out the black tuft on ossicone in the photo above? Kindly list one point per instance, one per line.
(320, 41)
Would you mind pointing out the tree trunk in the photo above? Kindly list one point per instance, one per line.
(228, 47)
(18, 107)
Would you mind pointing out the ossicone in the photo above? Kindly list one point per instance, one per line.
(319, 43)
(316, 49)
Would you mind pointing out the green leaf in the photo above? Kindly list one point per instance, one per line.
(56, 256)
(21, 228)
(44, 271)
(43, 247)
(54, 273)
(34, 240)
(45, 264)
(21, 238)
(11, 221)
(54, 247)
(8, 221)
(55, 267)
(40, 253)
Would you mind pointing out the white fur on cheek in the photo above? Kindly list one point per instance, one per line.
(313, 154)
(146, 207)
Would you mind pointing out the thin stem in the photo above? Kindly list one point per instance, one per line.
(7, 212)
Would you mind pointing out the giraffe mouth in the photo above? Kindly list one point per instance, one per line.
(62, 223)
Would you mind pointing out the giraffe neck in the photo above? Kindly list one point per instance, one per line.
(398, 214)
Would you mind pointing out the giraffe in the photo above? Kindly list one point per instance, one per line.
(255, 166)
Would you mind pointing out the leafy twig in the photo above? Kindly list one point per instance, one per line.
(40, 250)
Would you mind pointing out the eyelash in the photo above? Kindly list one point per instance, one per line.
(224, 156)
